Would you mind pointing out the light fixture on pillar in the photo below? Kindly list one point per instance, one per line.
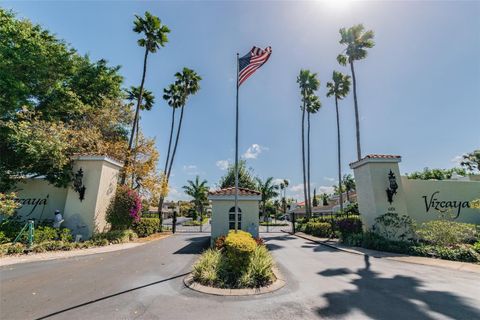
(78, 184)
(393, 186)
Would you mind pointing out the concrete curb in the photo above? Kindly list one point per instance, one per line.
(447, 264)
(55, 255)
(276, 285)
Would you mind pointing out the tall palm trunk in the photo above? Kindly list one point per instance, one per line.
(160, 205)
(303, 162)
(135, 119)
(357, 120)
(167, 178)
(339, 157)
(308, 165)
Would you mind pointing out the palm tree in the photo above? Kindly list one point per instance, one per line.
(313, 105)
(308, 84)
(148, 101)
(283, 187)
(356, 40)
(349, 184)
(268, 191)
(339, 88)
(174, 98)
(155, 36)
(199, 192)
(188, 83)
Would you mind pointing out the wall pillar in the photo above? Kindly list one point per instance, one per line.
(100, 177)
(372, 181)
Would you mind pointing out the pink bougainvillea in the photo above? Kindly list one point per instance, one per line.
(125, 208)
(136, 209)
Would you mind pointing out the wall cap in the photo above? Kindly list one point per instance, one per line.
(88, 157)
(376, 158)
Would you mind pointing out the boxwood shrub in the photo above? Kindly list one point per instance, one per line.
(318, 229)
(146, 226)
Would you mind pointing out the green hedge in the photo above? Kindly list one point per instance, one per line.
(115, 236)
(146, 227)
(318, 229)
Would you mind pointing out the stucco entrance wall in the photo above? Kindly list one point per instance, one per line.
(427, 200)
(423, 200)
(39, 199)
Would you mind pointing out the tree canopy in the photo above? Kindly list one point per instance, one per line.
(246, 177)
(54, 103)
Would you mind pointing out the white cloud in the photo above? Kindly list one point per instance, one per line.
(324, 189)
(190, 169)
(457, 160)
(175, 195)
(222, 164)
(253, 151)
(329, 179)
(296, 188)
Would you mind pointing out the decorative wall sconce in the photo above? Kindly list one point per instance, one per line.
(393, 186)
(78, 184)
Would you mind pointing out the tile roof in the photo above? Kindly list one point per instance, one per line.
(231, 192)
(381, 156)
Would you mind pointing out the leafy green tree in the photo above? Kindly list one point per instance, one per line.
(155, 36)
(268, 190)
(349, 184)
(39, 72)
(339, 88)
(324, 197)
(356, 40)
(188, 83)
(308, 84)
(198, 190)
(471, 161)
(436, 174)
(246, 177)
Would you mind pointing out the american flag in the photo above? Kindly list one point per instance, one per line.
(250, 62)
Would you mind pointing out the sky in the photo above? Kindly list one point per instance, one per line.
(418, 89)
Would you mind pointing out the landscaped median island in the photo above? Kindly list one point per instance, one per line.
(442, 238)
(238, 265)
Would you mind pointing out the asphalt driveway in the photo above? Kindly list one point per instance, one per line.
(146, 283)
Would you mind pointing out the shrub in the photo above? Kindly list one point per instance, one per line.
(393, 226)
(114, 236)
(124, 209)
(259, 272)
(445, 233)
(11, 227)
(220, 242)
(16, 248)
(372, 240)
(476, 246)
(459, 253)
(348, 225)
(318, 229)
(4, 238)
(259, 241)
(206, 269)
(353, 239)
(146, 226)
(238, 248)
(65, 235)
(8, 203)
(42, 234)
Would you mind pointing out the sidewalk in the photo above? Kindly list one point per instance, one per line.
(52, 255)
(334, 243)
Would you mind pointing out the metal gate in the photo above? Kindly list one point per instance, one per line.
(275, 226)
(187, 225)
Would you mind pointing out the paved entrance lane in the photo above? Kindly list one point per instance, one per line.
(321, 283)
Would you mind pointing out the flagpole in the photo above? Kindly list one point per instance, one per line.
(236, 156)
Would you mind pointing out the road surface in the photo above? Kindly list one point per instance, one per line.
(146, 283)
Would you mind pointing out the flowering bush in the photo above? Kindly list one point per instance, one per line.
(124, 209)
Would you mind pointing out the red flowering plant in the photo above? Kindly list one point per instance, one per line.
(125, 208)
